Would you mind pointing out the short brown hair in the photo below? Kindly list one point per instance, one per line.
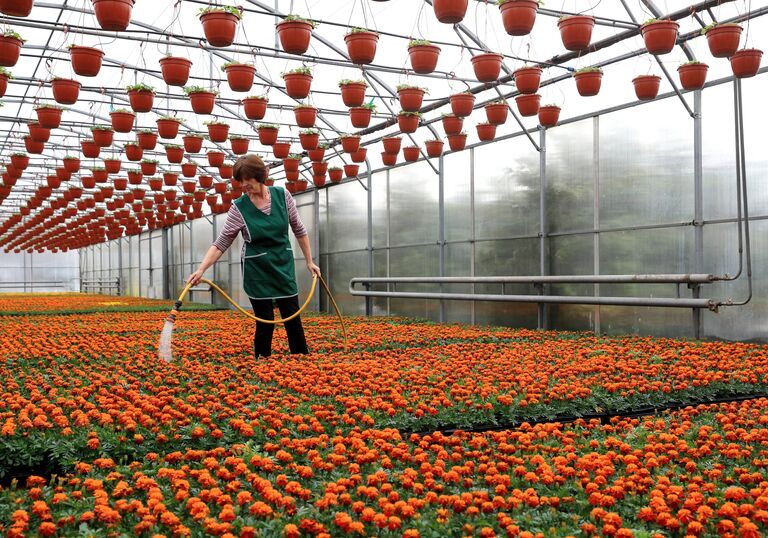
(250, 167)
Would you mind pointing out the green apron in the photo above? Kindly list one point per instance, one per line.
(268, 269)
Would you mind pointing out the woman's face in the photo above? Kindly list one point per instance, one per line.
(250, 185)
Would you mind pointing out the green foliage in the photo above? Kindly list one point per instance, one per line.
(717, 25)
(140, 88)
(297, 18)
(52, 106)
(101, 128)
(411, 87)
(150, 161)
(418, 43)
(369, 106)
(588, 70)
(405, 113)
(259, 97)
(309, 132)
(267, 126)
(230, 64)
(215, 122)
(122, 111)
(298, 71)
(172, 146)
(224, 9)
(10, 33)
(171, 118)
(189, 90)
(4, 71)
(356, 30)
(345, 81)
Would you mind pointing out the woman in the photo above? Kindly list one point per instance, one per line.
(262, 215)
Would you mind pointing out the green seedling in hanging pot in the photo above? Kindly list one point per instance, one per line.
(201, 99)
(423, 55)
(295, 33)
(588, 81)
(219, 24)
(239, 75)
(361, 45)
(298, 82)
(411, 97)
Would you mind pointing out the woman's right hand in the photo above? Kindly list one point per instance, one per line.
(195, 277)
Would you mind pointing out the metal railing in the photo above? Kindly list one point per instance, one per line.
(37, 284)
(99, 284)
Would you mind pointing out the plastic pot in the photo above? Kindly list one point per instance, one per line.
(360, 117)
(192, 143)
(291, 164)
(353, 94)
(134, 153)
(141, 100)
(388, 159)
(113, 15)
(359, 155)
(434, 148)
(318, 180)
(147, 140)
(528, 105)
(282, 149)
(487, 66)
(745, 63)
(88, 182)
(408, 123)
(254, 108)
(149, 169)
(361, 46)
(206, 182)
(20, 162)
(519, 16)
(486, 131)
(549, 115)
(335, 174)
(392, 144)
(219, 27)
(112, 166)
(240, 77)
(450, 11)
(218, 132)
(174, 155)
(319, 168)
(723, 40)
(122, 122)
(168, 129)
(457, 142)
(305, 116)
(528, 79)
(175, 70)
(267, 135)
(71, 165)
(351, 170)
(10, 49)
(63, 174)
(647, 87)
(134, 177)
(50, 118)
(294, 36)
(120, 183)
(99, 175)
(65, 91)
(239, 145)
(424, 58)
(3, 84)
(660, 36)
(297, 85)
(16, 8)
(411, 99)
(309, 141)
(576, 31)
(202, 102)
(170, 179)
(38, 133)
(350, 144)
(86, 61)
(452, 124)
(189, 170)
(588, 82)
(693, 76)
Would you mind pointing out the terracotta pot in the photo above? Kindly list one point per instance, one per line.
(134, 153)
(86, 61)
(450, 11)
(218, 132)
(745, 63)
(576, 31)
(359, 155)
(90, 149)
(88, 182)
(174, 155)
(281, 150)
(549, 115)
(305, 116)
(147, 140)
(141, 100)
(205, 181)
(351, 170)
(16, 8)
(148, 169)
(408, 123)
(240, 77)
(497, 113)
(267, 136)
(202, 102)
(99, 175)
(63, 174)
(175, 70)
(388, 159)
(353, 94)
(693, 76)
(434, 148)
(53, 182)
(10, 50)
(192, 143)
(113, 15)
(135, 177)
(319, 168)
(335, 174)
(71, 165)
(122, 122)
(647, 86)
(20, 162)
(294, 36)
(318, 180)
(411, 154)
(486, 131)
(170, 179)
(291, 164)
(660, 36)
(528, 105)
(112, 166)
(528, 79)
(588, 83)
(360, 117)
(316, 154)
(457, 142)
(219, 27)
(168, 129)
(392, 144)
(424, 58)
(723, 40)
(239, 145)
(155, 184)
(216, 158)
(65, 92)
(519, 16)
(254, 109)
(487, 66)
(350, 144)
(50, 118)
(189, 170)
(452, 124)
(361, 46)
(411, 99)
(297, 85)
(309, 141)
(291, 175)
(103, 137)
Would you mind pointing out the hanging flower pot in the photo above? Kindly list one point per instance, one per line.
(255, 107)
(693, 75)
(48, 116)
(487, 66)
(434, 148)
(202, 100)
(113, 15)
(486, 131)
(318, 180)
(282, 149)
(549, 115)
(298, 82)
(576, 31)
(723, 39)
(351, 170)
(133, 152)
(306, 115)
(120, 183)
(239, 76)
(239, 144)
(147, 140)
(16, 8)
(462, 104)
(206, 182)
(38, 132)
(170, 179)
(168, 127)
(319, 168)
(647, 86)
(10, 48)
(353, 92)
(360, 116)
(291, 175)
(174, 153)
(155, 184)
(71, 164)
(192, 143)
(267, 134)
(291, 164)
(20, 161)
(588, 81)
(141, 97)
(335, 174)
(452, 124)
(295, 34)
(388, 159)
(359, 155)
(216, 158)
(188, 186)
(62, 173)
(408, 121)
(450, 11)
(423, 56)
(361, 45)
(189, 170)
(350, 143)
(411, 97)
(122, 120)
(411, 154)
(518, 16)
(88, 182)
(457, 142)
(103, 136)
(90, 149)
(497, 112)
(225, 171)
(65, 91)
(53, 182)
(4, 76)
(135, 177)
(391, 144)
(86, 61)
(217, 131)
(309, 139)
(99, 174)
(660, 36)
(528, 79)
(745, 63)
(175, 70)
(149, 167)
(220, 24)
(528, 105)
(112, 166)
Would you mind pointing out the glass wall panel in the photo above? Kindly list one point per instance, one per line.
(202, 238)
(346, 217)
(413, 197)
(506, 189)
(755, 117)
(458, 196)
(458, 262)
(572, 255)
(340, 268)
(718, 152)
(379, 199)
(380, 269)
(415, 261)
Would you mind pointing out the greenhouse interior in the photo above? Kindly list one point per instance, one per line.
(517, 298)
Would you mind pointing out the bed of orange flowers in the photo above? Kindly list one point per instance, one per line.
(26, 304)
(216, 443)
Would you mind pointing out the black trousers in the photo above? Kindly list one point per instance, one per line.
(262, 340)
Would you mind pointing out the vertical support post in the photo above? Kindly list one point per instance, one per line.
(369, 241)
(441, 231)
(316, 241)
(596, 212)
(698, 207)
(214, 233)
(389, 246)
(543, 310)
(166, 272)
(119, 243)
(472, 229)
(24, 265)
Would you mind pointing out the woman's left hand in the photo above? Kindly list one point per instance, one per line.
(313, 269)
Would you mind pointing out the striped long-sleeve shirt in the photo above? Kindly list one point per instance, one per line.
(235, 223)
